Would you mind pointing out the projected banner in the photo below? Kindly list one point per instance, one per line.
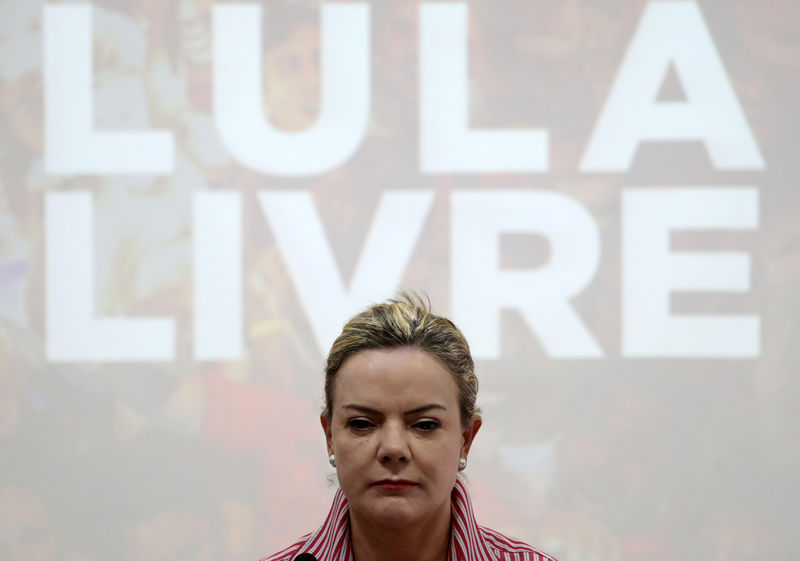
(196, 195)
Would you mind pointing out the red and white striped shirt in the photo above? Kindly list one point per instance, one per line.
(468, 540)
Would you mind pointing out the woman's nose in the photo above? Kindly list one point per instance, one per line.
(393, 446)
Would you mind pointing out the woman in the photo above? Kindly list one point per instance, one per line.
(399, 420)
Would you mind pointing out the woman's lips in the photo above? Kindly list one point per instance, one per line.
(394, 484)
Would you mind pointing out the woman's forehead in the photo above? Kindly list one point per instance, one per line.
(392, 375)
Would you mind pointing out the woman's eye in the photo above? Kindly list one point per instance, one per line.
(359, 424)
(427, 426)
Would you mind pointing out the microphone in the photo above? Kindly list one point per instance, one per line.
(305, 557)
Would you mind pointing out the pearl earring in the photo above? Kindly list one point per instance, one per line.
(332, 460)
(462, 464)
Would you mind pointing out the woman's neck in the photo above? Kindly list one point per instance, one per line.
(427, 540)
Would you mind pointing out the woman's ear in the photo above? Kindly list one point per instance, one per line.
(326, 428)
(469, 435)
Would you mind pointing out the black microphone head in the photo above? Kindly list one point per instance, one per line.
(305, 557)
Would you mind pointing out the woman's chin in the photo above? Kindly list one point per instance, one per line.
(393, 512)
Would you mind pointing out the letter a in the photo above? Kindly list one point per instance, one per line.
(672, 33)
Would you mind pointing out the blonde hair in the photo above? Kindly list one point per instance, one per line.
(407, 321)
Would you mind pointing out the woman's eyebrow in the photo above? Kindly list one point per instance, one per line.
(425, 408)
(362, 409)
(416, 410)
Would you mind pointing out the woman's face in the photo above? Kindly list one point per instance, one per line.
(396, 431)
(291, 80)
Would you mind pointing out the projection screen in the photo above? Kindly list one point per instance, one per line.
(196, 195)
